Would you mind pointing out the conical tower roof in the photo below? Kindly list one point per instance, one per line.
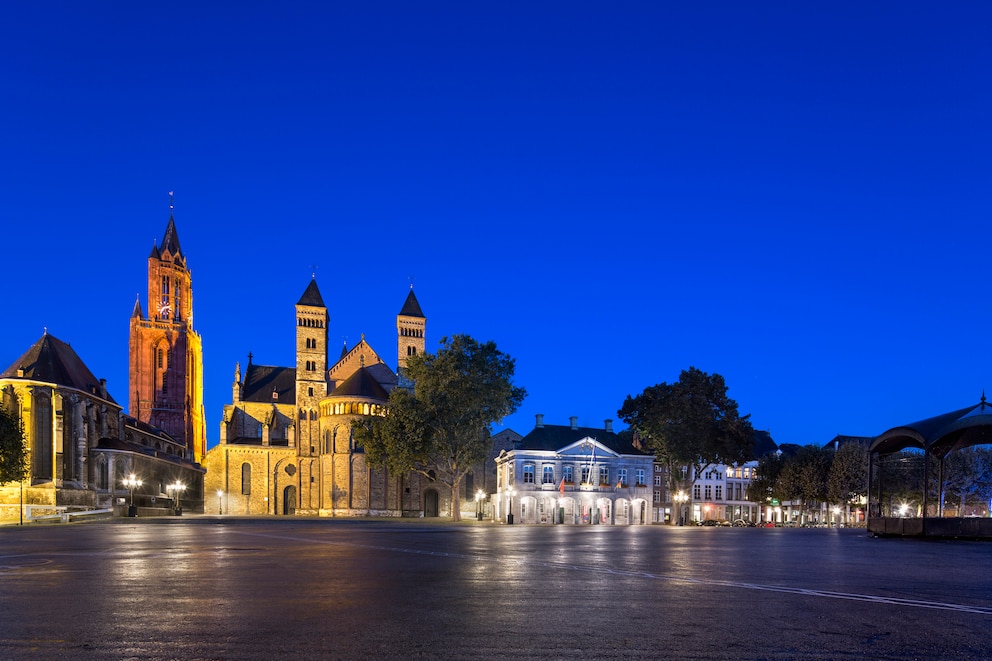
(411, 308)
(312, 296)
(170, 241)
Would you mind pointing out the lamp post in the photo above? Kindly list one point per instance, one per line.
(220, 501)
(176, 488)
(836, 511)
(131, 482)
(479, 495)
(509, 511)
(681, 498)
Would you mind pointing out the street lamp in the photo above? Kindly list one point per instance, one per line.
(131, 482)
(509, 511)
(479, 495)
(176, 488)
(836, 511)
(681, 498)
(220, 501)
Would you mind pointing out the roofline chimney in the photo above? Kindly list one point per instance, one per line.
(608, 425)
(573, 421)
(539, 420)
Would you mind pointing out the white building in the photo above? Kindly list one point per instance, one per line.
(573, 475)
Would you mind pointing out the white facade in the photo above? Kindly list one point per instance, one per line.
(582, 482)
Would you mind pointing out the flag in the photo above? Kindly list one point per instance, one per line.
(561, 488)
(619, 483)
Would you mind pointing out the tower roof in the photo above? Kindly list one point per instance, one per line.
(137, 311)
(312, 296)
(53, 361)
(411, 308)
(170, 241)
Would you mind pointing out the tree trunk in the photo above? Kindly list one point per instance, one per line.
(456, 505)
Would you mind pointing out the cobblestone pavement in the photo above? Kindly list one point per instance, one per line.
(226, 588)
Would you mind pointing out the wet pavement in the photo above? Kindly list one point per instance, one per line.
(225, 588)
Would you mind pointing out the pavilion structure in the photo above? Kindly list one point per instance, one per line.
(913, 456)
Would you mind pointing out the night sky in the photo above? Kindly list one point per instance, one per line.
(793, 196)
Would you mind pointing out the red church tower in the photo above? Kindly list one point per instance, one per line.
(166, 354)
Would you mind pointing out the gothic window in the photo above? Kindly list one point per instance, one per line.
(246, 479)
(42, 446)
(160, 358)
(102, 474)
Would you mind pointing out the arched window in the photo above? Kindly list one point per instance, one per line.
(160, 355)
(246, 479)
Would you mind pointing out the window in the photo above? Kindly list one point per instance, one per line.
(709, 491)
(567, 473)
(657, 496)
(657, 480)
(310, 392)
(246, 479)
(719, 492)
(622, 477)
(585, 475)
(657, 468)
(604, 475)
(529, 474)
(640, 477)
(695, 492)
(549, 475)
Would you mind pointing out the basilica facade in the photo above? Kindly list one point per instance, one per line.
(286, 444)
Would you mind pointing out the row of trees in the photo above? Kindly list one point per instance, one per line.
(810, 475)
(964, 480)
(13, 453)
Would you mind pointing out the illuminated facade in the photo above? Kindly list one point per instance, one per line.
(166, 354)
(81, 445)
(286, 445)
(573, 475)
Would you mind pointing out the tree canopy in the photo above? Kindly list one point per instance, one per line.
(13, 453)
(442, 428)
(691, 423)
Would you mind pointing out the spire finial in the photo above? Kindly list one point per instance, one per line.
(983, 399)
(410, 278)
(313, 271)
(171, 202)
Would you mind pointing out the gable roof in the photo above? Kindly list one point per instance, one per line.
(940, 434)
(51, 360)
(555, 437)
(311, 296)
(262, 380)
(411, 307)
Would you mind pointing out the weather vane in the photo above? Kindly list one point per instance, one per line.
(171, 205)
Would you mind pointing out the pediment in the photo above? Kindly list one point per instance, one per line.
(586, 448)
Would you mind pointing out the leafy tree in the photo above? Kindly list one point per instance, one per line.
(442, 428)
(966, 474)
(804, 476)
(13, 453)
(764, 486)
(848, 477)
(690, 423)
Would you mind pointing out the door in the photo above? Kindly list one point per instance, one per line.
(289, 500)
(431, 503)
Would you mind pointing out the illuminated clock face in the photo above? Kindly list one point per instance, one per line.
(163, 310)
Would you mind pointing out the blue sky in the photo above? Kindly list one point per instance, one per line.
(793, 196)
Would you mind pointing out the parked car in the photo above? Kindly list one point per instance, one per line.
(742, 523)
(709, 523)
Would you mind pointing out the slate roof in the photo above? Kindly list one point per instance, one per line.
(170, 241)
(262, 380)
(51, 360)
(763, 444)
(361, 384)
(555, 437)
(411, 308)
(312, 296)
